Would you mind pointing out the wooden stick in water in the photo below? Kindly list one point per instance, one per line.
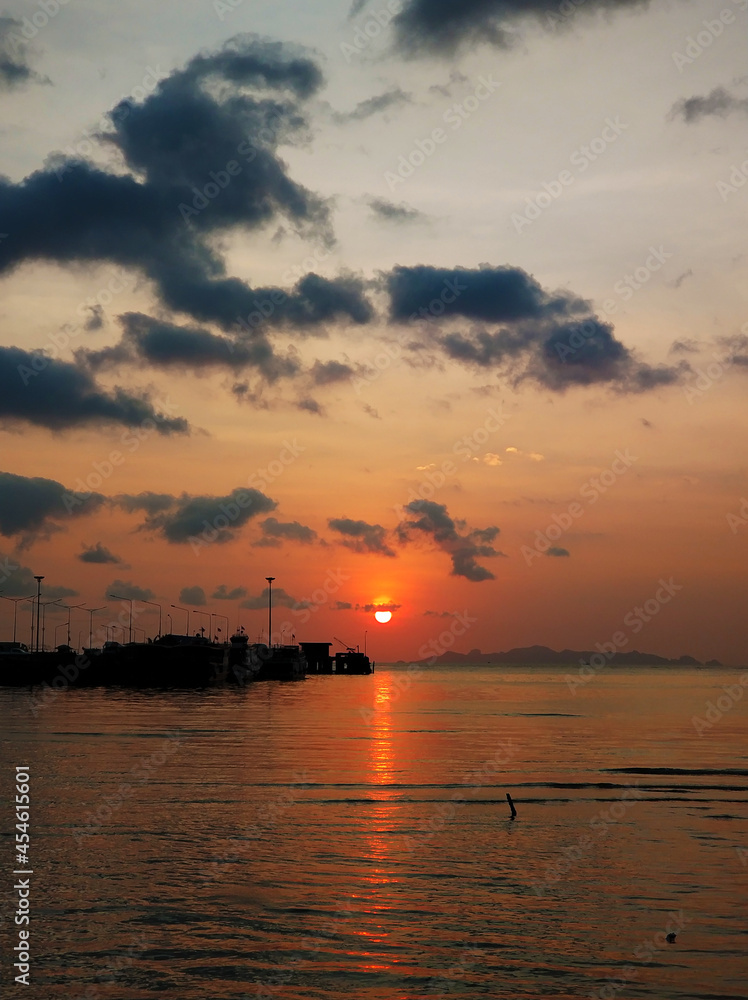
(511, 805)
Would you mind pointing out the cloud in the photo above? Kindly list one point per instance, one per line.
(207, 518)
(393, 98)
(488, 294)
(194, 596)
(291, 530)
(129, 591)
(34, 504)
(369, 608)
(151, 503)
(533, 456)
(342, 606)
(98, 553)
(551, 338)
(151, 213)
(221, 593)
(95, 319)
(280, 599)
(160, 344)
(18, 581)
(362, 537)
(57, 395)
(432, 519)
(442, 27)
(718, 103)
(557, 552)
(329, 372)
(15, 70)
(389, 211)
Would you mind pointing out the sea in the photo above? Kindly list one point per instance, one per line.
(351, 837)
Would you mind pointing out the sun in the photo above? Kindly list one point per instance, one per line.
(383, 616)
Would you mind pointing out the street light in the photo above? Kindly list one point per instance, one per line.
(38, 603)
(206, 615)
(171, 627)
(70, 607)
(270, 609)
(154, 605)
(116, 597)
(187, 610)
(16, 602)
(44, 607)
(90, 623)
(226, 619)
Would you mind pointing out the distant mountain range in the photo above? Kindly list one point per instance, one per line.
(540, 655)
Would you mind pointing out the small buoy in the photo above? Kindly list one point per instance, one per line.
(670, 938)
(511, 805)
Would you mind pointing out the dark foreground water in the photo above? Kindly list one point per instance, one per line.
(349, 837)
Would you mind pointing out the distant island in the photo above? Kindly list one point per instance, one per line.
(540, 655)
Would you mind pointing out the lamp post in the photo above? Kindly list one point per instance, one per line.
(90, 623)
(154, 605)
(44, 607)
(226, 619)
(16, 602)
(187, 611)
(38, 603)
(171, 627)
(365, 635)
(70, 607)
(270, 609)
(206, 615)
(61, 625)
(116, 597)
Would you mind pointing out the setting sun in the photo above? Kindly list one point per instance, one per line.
(383, 616)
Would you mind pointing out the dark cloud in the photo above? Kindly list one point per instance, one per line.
(15, 70)
(557, 552)
(369, 608)
(222, 593)
(718, 103)
(95, 319)
(432, 519)
(281, 599)
(160, 344)
(551, 338)
(328, 372)
(489, 294)
(18, 581)
(56, 394)
(389, 211)
(291, 530)
(194, 596)
(342, 606)
(232, 109)
(151, 503)
(207, 518)
(310, 406)
(442, 27)
(393, 98)
(98, 553)
(33, 504)
(362, 537)
(129, 591)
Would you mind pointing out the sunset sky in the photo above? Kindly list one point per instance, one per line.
(435, 306)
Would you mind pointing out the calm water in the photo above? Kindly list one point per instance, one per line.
(349, 837)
